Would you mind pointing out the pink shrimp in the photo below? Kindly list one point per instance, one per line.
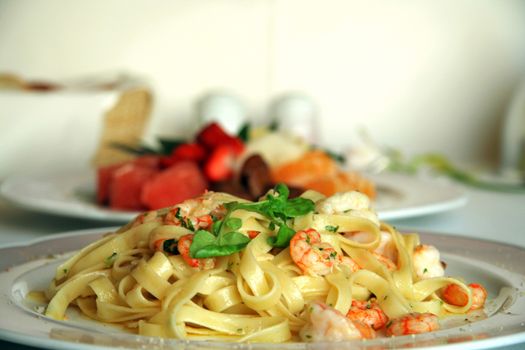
(311, 255)
(328, 324)
(455, 295)
(368, 312)
(175, 217)
(184, 249)
(197, 213)
(386, 248)
(389, 264)
(413, 323)
(348, 261)
(426, 261)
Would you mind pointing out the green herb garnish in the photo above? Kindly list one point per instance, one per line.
(224, 238)
(278, 209)
(186, 223)
(244, 132)
(166, 146)
(170, 246)
(108, 262)
(331, 228)
(441, 165)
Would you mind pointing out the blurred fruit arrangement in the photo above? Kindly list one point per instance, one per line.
(246, 165)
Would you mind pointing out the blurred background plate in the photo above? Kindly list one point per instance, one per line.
(402, 196)
(67, 193)
(73, 194)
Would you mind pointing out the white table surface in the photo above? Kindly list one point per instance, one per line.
(487, 215)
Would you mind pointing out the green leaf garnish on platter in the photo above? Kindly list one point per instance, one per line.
(224, 238)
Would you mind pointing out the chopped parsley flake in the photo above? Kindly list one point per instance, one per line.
(110, 260)
(190, 225)
(170, 246)
(331, 228)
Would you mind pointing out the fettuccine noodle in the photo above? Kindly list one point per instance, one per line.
(256, 294)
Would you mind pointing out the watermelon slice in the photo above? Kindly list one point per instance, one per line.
(181, 181)
(126, 186)
(104, 176)
(150, 161)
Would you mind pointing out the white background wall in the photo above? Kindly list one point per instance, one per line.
(418, 75)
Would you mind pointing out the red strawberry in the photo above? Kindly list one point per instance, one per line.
(187, 151)
(236, 144)
(212, 136)
(219, 166)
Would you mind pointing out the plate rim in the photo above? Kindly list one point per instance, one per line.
(91, 211)
(22, 338)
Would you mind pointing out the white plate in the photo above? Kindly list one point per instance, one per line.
(28, 267)
(401, 196)
(70, 194)
(73, 194)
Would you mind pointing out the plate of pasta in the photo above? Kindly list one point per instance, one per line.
(73, 194)
(221, 272)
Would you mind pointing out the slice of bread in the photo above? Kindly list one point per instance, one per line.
(124, 124)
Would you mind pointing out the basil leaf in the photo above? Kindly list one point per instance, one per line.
(201, 239)
(283, 237)
(233, 223)
(278, 209)
(258, 207)
(298, 207)
(216, 227)
(206, 245)
(283, 191)
(218, 250)
(235, 238)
